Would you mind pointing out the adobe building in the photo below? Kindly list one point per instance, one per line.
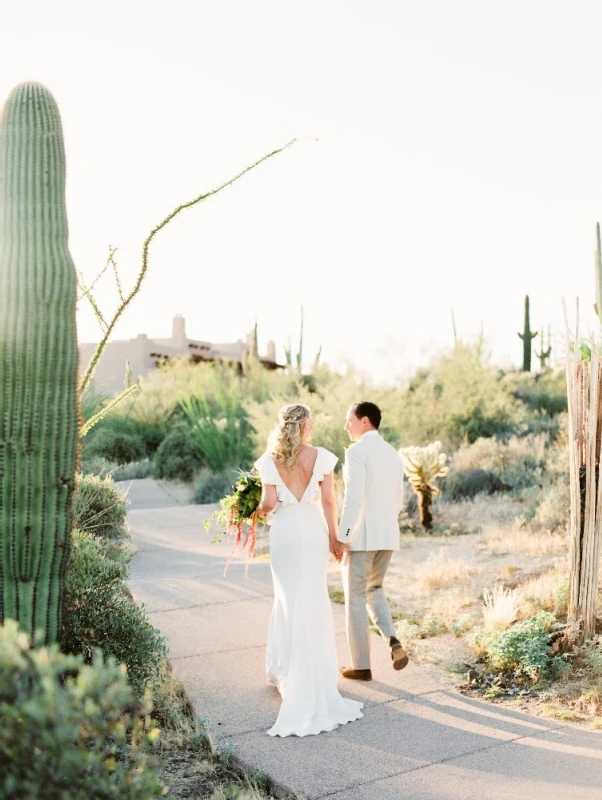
(146, 355)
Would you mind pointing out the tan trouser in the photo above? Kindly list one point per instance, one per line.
(363, 574)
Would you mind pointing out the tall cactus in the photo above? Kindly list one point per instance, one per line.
(545, 352)
(527, 336)
(598, 261)
(38, 363)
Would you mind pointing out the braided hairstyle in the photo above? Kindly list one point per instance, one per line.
(286, 440)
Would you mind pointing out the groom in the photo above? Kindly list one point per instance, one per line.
(369, 531)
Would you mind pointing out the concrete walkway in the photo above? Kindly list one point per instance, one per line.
(418, 739)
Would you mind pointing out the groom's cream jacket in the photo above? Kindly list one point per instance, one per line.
(373, 474)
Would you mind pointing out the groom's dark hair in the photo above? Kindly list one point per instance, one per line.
(370, 410)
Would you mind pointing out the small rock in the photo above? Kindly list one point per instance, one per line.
(472, 676)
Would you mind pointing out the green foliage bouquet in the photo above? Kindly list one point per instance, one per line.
(239, 511)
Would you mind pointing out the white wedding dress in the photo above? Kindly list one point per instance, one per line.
(301, 657)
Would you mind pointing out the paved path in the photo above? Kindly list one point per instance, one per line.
(418, 739)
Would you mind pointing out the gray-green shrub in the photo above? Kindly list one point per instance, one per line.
(461, 484)
(179, 455)
(98, 507)
(210, 486)
(69, 731)
(116, 446)
(518, 463)
(521, 651)
(100, 614)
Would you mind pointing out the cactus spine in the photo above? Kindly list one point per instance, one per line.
(38, 363)
(527, 336)
(545, 353)
(598, 260)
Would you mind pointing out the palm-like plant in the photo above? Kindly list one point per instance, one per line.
(423, 466)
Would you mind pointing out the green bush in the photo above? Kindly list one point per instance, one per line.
(223, 434)
(179, 455)
(457, 398)
(69, 731)
(521, 651)
(461, 484)
(116, 446)
(100, 614)
(518, 463)
(210, 486)
(541, 392)
(98, 507)
(133, 471)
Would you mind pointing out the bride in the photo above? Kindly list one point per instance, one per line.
(301, 654)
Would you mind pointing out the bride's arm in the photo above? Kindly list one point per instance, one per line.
(329, 504)
(269, 500)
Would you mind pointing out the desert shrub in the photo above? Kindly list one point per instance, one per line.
(223, 434)
(547, 592)
(113, 445)
(552, 509)
(99, 613)
(210, 486)
(521, 651)
(543, 393)
(133, 471)
(457, 398)
(518, 463)
(179, 455)
(67, 729)
(98, 507)
(467, 484)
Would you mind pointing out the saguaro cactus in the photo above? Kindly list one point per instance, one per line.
(545, 352)
(38, 362)
(527, 336)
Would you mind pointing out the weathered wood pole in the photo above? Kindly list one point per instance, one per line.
(584, 388)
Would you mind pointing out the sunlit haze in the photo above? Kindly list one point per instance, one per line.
(458, 164)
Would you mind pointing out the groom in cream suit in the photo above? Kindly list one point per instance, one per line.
(369, 531)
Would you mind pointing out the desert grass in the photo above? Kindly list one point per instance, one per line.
(501, 541)
(451, 602)
(500, 608)
(440, 571)
(497, 511)
(547, 592)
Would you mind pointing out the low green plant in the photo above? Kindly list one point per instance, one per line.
(211, 487)
(133, 471)
(224, 434)
(116, 446)
(70, 730)
(98, 507)
(179, 456)
(466, 484)
(99, 614)
(521, 651)
(518, 463)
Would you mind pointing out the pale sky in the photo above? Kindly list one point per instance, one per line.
(458, 163)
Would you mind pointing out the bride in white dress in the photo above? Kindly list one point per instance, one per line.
(301, 655)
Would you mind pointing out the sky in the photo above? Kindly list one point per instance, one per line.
(448, 157)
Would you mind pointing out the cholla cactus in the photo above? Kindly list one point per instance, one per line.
(423, 465)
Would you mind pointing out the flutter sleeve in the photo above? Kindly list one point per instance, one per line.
(267, 470)
(326, 463)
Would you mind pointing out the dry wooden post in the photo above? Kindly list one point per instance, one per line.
(584, 388)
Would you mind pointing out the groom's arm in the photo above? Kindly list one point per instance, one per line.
(355, 489)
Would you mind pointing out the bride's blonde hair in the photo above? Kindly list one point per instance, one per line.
(286, 440)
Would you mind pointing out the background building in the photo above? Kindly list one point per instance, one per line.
(146, 355)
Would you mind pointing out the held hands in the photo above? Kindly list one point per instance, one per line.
(337, 549)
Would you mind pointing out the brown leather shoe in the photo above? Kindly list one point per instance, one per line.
(356, 674)
(399, 657)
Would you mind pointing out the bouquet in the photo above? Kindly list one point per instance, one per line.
(239, 511)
